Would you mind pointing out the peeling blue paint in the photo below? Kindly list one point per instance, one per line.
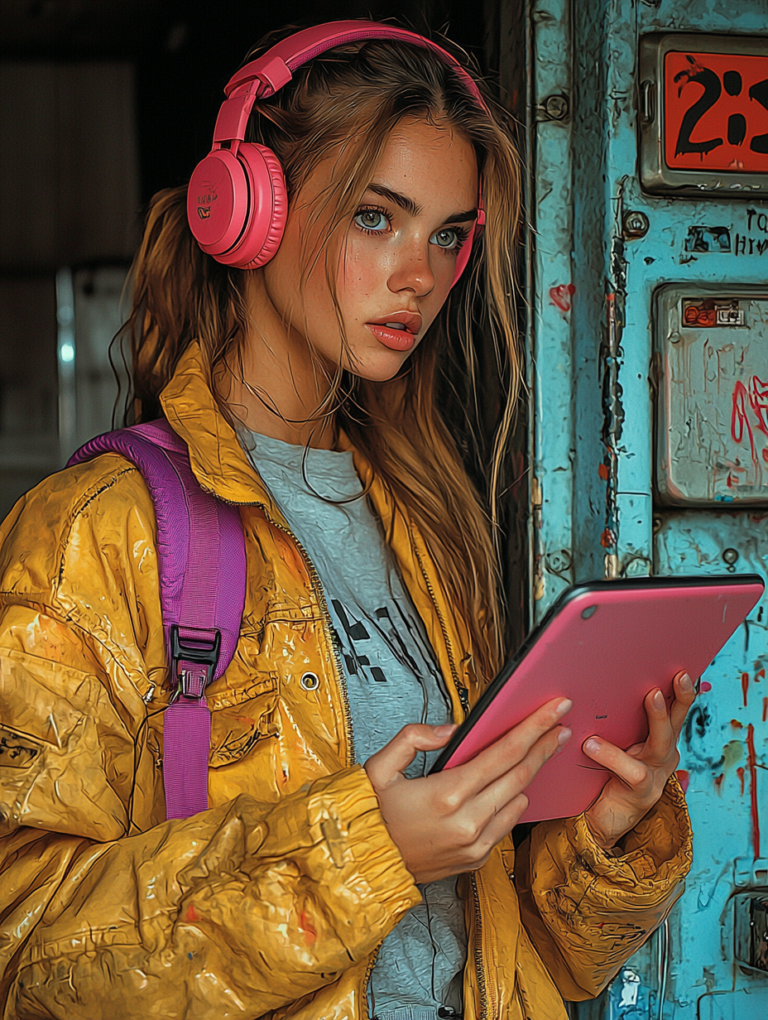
(595, 377)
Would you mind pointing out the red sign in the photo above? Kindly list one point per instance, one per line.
(716, 112)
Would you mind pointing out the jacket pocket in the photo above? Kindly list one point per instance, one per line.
(67, 759)
(236, 729)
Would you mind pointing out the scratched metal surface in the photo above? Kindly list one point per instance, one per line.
(597, 266)
(552, 214)
(712, 402)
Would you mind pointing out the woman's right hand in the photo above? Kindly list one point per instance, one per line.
(449, 822)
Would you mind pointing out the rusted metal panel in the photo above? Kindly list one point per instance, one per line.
(712, 394)
(614, 265)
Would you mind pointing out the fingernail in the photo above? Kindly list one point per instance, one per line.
(444, 729)
(565, 706)
(564, 736)
(591, 746)
(658, 699)
(686, 684)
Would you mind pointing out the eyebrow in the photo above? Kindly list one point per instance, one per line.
(411, 207)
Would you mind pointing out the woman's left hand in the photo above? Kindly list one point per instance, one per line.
(641, 772)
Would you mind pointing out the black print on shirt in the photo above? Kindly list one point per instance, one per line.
(355, 631)
(404, 637)
(400, 632)
(393, 636)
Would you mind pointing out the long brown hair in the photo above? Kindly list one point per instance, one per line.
(347, 102)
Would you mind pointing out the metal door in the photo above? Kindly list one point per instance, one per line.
(649, 379)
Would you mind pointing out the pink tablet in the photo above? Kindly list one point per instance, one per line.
(604, 645)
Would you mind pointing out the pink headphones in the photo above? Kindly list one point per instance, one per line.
(236, 203)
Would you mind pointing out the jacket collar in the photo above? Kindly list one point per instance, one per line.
(217, 458)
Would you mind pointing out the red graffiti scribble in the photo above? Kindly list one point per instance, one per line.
(765, 709)
(604, 471)
(744, 687)
(759, 675)
(736, 724)
(739, 412)
(561, 296)
(740, 774)
(733, 474)
(719, 781)
(191, 914)
(752, 766)
(684, 779)
(705, 686)
(756, 397)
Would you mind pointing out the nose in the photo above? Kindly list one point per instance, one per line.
(412, 270)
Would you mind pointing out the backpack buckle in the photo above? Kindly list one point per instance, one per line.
(194, 655)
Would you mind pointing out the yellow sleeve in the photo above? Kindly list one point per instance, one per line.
(105, 908)
(588, 911)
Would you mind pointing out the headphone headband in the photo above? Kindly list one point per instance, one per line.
(277, 66)
(309, 43)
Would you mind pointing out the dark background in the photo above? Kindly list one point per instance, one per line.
(184, 51)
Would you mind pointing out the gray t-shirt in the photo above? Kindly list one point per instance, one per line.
(392, 679)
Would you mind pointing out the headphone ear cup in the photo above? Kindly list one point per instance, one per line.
(217, 202)
(267, 211)
(237, 205)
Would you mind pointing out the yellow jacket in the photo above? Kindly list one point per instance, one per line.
(274, 900)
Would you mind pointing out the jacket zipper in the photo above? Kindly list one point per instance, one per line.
(443, 628)
(367, 979)
(478, 951)
(317, 588)
(460, 690)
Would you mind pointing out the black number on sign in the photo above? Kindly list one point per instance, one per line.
(732, 83)
(712, 90)
(737, 129)
(759, 92)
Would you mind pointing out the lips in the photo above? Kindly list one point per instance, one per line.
(397, 331)
(395, 339)
(411, 321)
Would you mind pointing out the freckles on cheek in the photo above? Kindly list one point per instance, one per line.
(366, 281)
(360, 281)
(361, 275)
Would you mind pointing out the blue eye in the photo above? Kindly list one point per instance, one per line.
(447, 238)
(373, 221)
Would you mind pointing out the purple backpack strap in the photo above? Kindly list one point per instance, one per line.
(201, 559)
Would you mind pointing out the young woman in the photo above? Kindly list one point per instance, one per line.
(330, 876)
